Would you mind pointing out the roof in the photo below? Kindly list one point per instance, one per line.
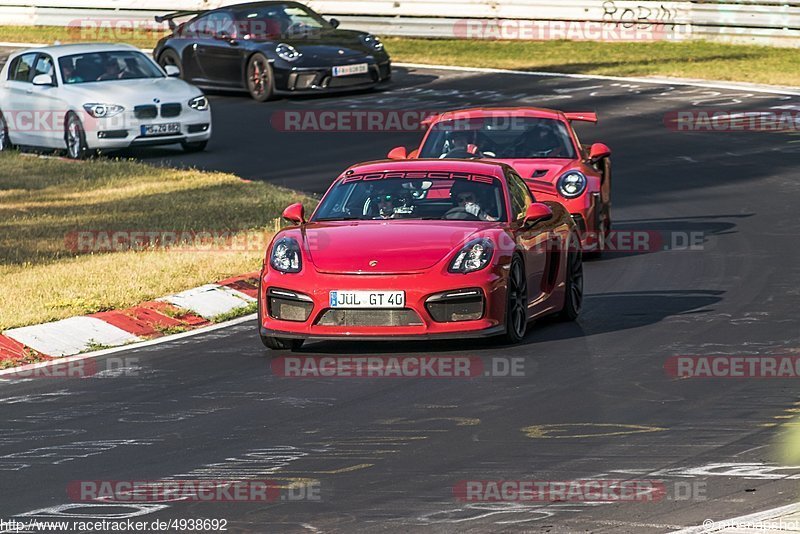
(485, 167)
(82, 48)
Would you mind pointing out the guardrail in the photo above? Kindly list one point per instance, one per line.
(774, 22)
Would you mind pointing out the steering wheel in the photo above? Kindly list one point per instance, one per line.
(459, 213)
(460, 153)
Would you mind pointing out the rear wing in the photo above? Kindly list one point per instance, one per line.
(587, 116)
(168, 18)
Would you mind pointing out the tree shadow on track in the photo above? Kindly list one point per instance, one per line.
(603, 313)
(637, 237)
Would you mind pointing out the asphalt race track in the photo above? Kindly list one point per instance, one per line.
(595, 401)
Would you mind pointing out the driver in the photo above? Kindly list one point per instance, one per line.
(465, 197)
(459, 145)
(389, 204)
(539, 142)
(112, 71)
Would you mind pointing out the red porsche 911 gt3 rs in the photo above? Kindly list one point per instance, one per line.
(420, 249)
(544, 149)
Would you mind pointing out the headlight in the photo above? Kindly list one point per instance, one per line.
(572, 184)
(200, 103)
(285, 256)
(474, 256)
(287, 52)
(372, 41)
(101, 111)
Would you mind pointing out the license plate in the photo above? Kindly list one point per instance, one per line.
(161, 129)
(367, 299)
(347, 70)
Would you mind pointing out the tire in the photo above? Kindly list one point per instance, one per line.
(171, 57)
(259, 80)
(596, 252)
(516, 303)
(573, 287)
(197, 146)
(75, 138)
(281, 343)
(5, 140)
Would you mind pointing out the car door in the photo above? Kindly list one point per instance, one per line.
(533, 240)
(220, 56)
(20, 112)
(49, 123)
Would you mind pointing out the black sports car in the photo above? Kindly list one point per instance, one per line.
(269, 48)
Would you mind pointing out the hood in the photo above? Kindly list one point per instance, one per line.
(327, 45)
(542, 170)
(130, 93)
(396, 246)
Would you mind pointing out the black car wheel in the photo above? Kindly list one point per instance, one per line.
(517, 303)
(260, 82)
(197, 146)
(5, 141)
(281, 343)
(573, 290)
(75, 138)
(171, 57)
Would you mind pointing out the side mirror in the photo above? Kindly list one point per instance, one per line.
(42, 79)
(599, 151)
(398, 152)
(173, 71)
(295, 213)
(334, 22)
(538, 212)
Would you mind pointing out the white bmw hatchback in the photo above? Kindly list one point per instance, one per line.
(86, 97)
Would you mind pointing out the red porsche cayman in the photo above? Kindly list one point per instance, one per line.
(544, 149)
(420, 249)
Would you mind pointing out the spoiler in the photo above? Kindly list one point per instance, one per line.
(168, 18)
(582, 116)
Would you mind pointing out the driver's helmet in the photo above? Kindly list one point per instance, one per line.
(458, 140)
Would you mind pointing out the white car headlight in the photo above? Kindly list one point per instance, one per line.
(200, 103)
(287, 52)
(572, 184)
(102, 111)
(372, 41)
(473, 256)
(285, 256)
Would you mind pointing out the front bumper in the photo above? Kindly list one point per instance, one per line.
(418, 288)
(125, 130)
(310, 80)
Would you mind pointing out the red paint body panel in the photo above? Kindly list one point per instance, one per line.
(414, 256)
(593, 207)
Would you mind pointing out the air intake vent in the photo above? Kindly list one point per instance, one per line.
(402, 317)
(538, 173)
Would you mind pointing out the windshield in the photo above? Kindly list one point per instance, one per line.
(106, 66)
(499, 137)
(278, 20)
(471, 198)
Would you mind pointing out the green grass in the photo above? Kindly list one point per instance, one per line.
(44, 201)
(695, 59)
